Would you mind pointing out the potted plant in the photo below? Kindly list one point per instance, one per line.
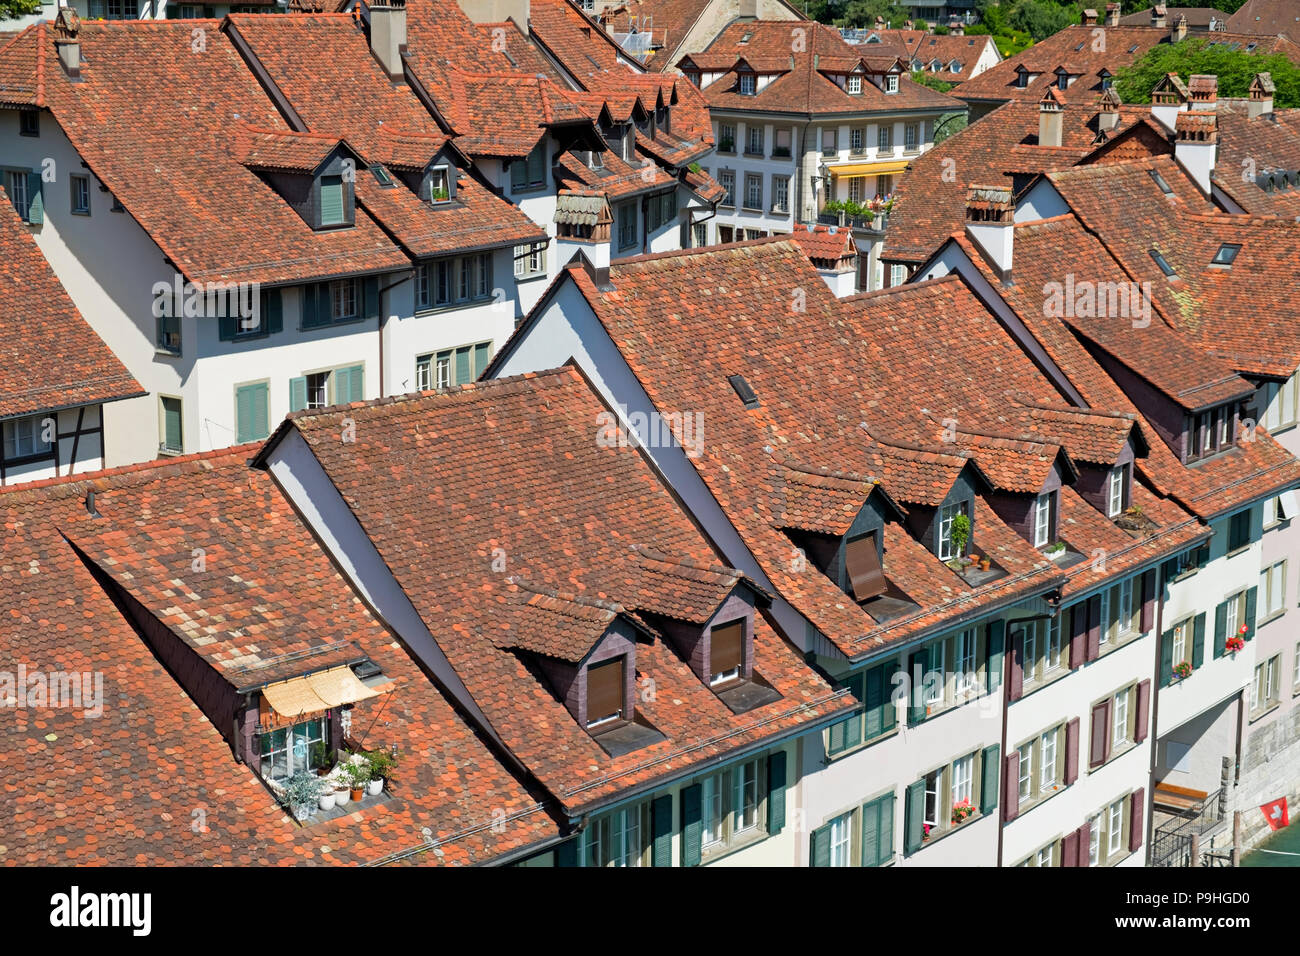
(1234, 644)
(382, 764)
(960, 811)
(985, 564)
(1182, 670)
(959, 533)
(327, 801)
(322, 757)
(925, 833)
(358, 775)
(342, 788)
(301, 792)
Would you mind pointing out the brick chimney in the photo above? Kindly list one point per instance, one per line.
(1051, 117)
(990, 224)
(1261, 95)
(1168, 98)
(1203, 92)
(1179, 31)
(67, 25)
(1108, 110)
(1112, 14)
(496, 11)
(1159, 16)
(958, 29)
(1196, 145)
(1090, 17)
(388, 35)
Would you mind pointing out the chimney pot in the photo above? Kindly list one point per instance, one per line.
(67, 26)
(1196, 145)
(990, 224)
(388, 35)
(1090, 17)
(1112, 14)
(1179, 31)
(1261, 92)
(1159, 16)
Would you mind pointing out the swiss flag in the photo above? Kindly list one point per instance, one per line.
(1275, 813)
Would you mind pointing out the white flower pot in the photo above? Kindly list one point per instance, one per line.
(327, 801)
(301, 813)
(342, 797)
(375, 787)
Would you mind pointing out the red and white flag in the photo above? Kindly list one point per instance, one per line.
(1275, 813)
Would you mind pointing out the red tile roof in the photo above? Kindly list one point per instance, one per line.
(49, 356)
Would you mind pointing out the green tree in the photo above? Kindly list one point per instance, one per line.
(1234, 68)
(863, 13)
(1042, 18)
(12, 9)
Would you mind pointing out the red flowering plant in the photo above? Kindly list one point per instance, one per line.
(1182, 670)
(961, 810)
(1234, 644)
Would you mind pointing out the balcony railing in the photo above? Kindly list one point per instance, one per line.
(1172, 843)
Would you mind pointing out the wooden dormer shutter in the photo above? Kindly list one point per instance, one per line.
(726, 647)
(605, 686)
(331, 200)
(862, 560)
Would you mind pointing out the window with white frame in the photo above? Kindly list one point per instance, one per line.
(1264, 689)
(1116, 487)
(965, 673)
(947, 515)
(30, 436)
(530, 260)
(1120, 720)
(830, 141)
(963, 780)
(1026, 773)
(618, 838)
(1272, 590)
(855, 84)
(911, 135)
(1280, 404)
(857, 188)
(1043, 520)
(1047, 770)
(15, 183)
(1114, 828)
(80, 195)
(780, 193)
(1295, 676)
(885, 138)
(936, 690)
(1121, 612)
(753, 140)
(841, 839)
(733, 803)
(288, 750)
(1041, 647)
(727, 180)
(897, 275)
(857, 139)
(753, 191)
(1042, 764)
(343, 300)
(458, 366)
(891, 83)
(748, 84)
(948, 791)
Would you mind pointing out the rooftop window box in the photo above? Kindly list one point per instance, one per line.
(727, 145)
(780, 152)
(1182, 670)
(1135, 522)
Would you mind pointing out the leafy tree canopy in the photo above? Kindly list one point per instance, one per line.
(1234, 68)
(12, 9)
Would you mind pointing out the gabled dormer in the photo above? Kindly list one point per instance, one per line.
(315, 175)
(939, 528)
(1029, 477)
(438, 180)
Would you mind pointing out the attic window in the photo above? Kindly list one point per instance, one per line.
(1133, 48)
(439, 185)
(29, 123)
(891, 83)
(381, 176)
(1022, 77)
(1160, 181)
(948, 515)
(743, 390)
(605, 692)
(1078, 48)
(862, 562)
(726, 652)
(332, 207)
(747, 84)
(1226, 254)
(745, 38)
(855, 84)
(1165, 267)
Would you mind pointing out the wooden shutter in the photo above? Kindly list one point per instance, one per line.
(331, 200)
(990, 764)
(1167, 658)
(482, 354)
(1220, 629)
(250, 409)
(227, 327)
(463, 373)
(1099, 745)
(1011, 786)
(1078, 635)
(692, 825)
(297, 393)
(172, 423)
(566, 854)
(1252, 598)
(315, 305)
(370, 297)
(726, 644)
(914, 817)
(1148, 617)
(350, 385)
(1136, 818)
(775, 792)
(1016, 677)
(273, 310)
(661, 824)
(1142, 718)
(918, 664)
(1070, 849)
(848, 732)
(1094, 627)
(862, 560)
(996, 640)
(1198, 641)
(875, 699)
(821, 846)
(1083, 836)
(35, 199)
(877, 832)
(1072, 751)
(605, 690)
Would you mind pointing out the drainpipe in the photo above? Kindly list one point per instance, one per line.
(383, 321)
(1002, 748)
(1155, 713)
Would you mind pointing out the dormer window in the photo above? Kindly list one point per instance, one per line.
(891, 83)
(1022, 77)
(332, 204)
(1117, 491)
(1062, 80)
(1209, 432)
(1044, 508)
(855, 84)
(606, 692)
(439, 184)
(948, 515)
(726, 652)
(748, 84)
(862, 564)
(529, 172)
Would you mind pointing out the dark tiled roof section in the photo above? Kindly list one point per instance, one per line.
(50, 357)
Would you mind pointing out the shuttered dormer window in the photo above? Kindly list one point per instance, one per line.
(606, 684)
(331, 201)
(862, 562)
(530, 172)
(726, 652)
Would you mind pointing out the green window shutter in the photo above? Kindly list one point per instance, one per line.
(331, 200)
(875, 698)
(349, 385)
(870, 852)
(1198, 641)
(463, 374)
(518, 173)
(172, 423)
(990, 765)
(821, 846)
(775, 792)
(888, 712)
(315, 305)
(917, 667)
(35, 199)
(997, 642)
(250, 407)
(661, 819)
(566, 854)
(1220, 629)
(273, 311)
(914, 817)
(227, 327)
(1166, 658)
(370, 297)
(692, 825)
(297, 394)
(885, 848)
(482, 355)
(1252, 598)
(848, 732)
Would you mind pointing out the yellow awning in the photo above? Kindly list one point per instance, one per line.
(316, 692)
(885, 168)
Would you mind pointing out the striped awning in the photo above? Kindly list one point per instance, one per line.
(884, 168)
(317, 692)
